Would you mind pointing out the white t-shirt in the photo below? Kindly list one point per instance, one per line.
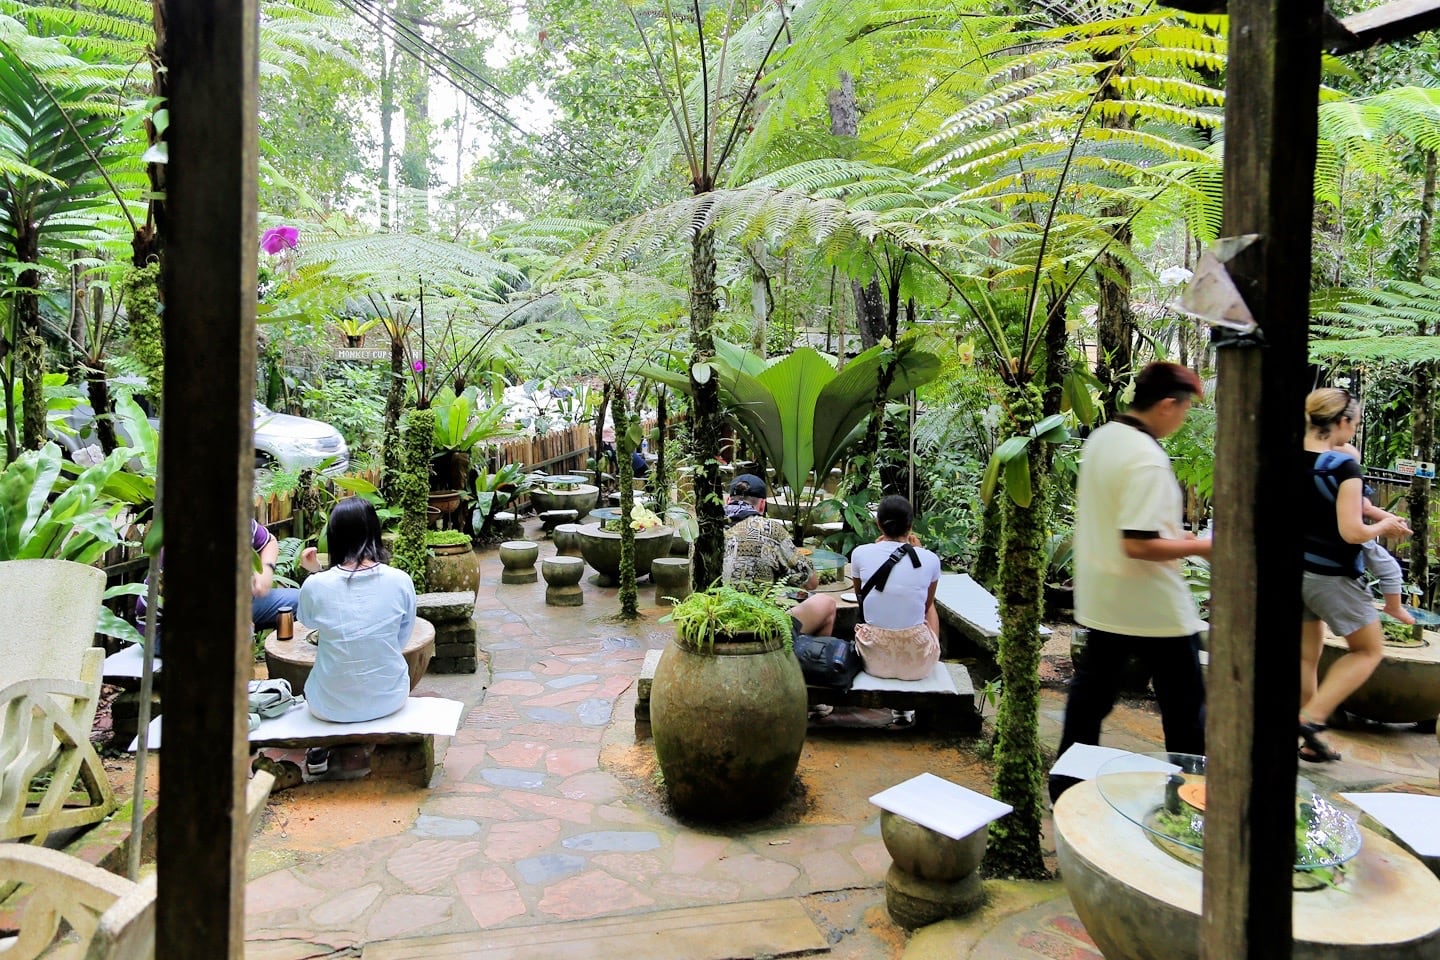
(364, 619)
(1126, 484)
(902, 603)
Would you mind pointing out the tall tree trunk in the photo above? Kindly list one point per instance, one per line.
(662, 421)
(1424, 426)
(761, 300)
(146, 245)
(629, 602)
(392, 455)
(416, 156)
(1019, 767)
(1114, 319)
(30, 343)
(869, 297)
(388, 59)
(706, 420)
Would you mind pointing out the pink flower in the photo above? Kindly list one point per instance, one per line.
(419, 366)
(277, 239)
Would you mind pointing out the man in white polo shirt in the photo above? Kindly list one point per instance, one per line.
(1129, 590)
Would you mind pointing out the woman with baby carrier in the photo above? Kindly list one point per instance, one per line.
(1335, 528)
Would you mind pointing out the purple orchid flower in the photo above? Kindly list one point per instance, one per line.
(277, 239)
(419, 366)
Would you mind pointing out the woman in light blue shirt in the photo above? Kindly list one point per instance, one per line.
(363, 611)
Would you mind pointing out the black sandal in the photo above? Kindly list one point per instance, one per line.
(1315, 749)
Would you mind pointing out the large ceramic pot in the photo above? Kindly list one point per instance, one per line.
(581, 498)
(453, 568)
(601, 549)
(729, 726)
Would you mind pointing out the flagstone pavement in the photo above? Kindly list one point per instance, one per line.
(546, 808)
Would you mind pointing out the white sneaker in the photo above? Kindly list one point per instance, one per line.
(317, 761)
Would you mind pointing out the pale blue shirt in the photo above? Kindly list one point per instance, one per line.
(364, 619)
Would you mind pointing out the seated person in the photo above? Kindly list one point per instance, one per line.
(266, 600)
(363, 612)
(639, 467)
(759, 554)
(899, 637)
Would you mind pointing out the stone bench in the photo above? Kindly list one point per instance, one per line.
(550, 519)
(968, 612)
(413, 727)
(932, 700)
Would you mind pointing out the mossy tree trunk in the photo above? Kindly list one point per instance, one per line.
(413, 495)
(706, 418)
(1019, 780)
(392, 452)
(987, 556)
(660, 482)
(629, 602)
(598, 437)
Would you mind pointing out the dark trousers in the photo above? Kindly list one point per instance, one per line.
(1174, 665)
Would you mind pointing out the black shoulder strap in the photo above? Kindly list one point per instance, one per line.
(880, 577)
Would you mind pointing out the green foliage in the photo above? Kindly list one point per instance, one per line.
(352, 400)
(1192, 449)
(414, 497)
(719, 613)
(496, 491)
(77, 525)
(141, 289)
(446, 538)
(461, 423)
(802, 414)
(1379, 325)
(1013, 457)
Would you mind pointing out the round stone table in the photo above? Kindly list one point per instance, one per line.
(294, 659)
(1138, 902)
(1405, 688)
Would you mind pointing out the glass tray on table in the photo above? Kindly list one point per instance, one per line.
(1164, 795)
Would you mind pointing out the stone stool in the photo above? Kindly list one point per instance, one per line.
(550, 519)
(567, 539)
(671, 576)
(507, 523)
(562, 581)
(934, 875)
(519, 558)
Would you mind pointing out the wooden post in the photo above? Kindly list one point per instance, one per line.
(1272, 86)
(209, 282)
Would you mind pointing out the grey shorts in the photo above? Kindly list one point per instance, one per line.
(1340, 601)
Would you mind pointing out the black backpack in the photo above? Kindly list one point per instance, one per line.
(1328, 483)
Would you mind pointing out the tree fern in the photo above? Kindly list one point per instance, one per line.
(1378, 325)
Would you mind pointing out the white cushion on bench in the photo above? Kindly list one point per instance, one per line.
(939, 681)
(422, 716)
(127, 662)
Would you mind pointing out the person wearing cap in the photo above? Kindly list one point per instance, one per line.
(1129, 589)
(759, 553)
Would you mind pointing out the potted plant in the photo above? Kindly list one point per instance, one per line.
(727, 707)
(451, 562)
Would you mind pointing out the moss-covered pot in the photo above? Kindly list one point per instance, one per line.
(729, 726)
(582, 498)
(601, 549)
(453, 568)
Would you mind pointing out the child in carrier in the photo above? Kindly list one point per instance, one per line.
(1382, 566)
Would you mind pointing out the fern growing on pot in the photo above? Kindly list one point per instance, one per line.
(721, 613)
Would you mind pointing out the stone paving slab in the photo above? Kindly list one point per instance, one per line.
(775, 928)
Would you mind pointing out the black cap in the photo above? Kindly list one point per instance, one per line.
(747, 485)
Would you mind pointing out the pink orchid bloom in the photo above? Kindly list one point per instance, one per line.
(277, 239)
(419, 366)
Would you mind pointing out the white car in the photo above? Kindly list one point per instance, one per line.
(283, 441)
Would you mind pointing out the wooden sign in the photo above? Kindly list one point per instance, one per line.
(362, 353)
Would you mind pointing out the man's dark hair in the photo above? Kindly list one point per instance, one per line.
(1161, 380)
(353, 533)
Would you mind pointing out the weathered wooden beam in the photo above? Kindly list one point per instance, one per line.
(1388, 23)
(1270, 132)
(209, 284)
